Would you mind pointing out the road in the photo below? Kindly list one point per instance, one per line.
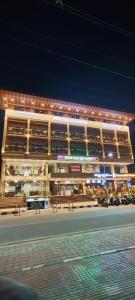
(15, 228)
(72, 255)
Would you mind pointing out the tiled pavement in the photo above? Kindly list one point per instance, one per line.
(92, 265)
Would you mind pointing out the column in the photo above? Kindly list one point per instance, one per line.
(3, 178)
(47, 180)
(28, 137)
(83, 187)
(49, 138)
(86, 140)
(68, 138)
(4, 134)
(117, 144)
(129, 140)
(102, 142)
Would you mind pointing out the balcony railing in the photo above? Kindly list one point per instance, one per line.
(16, 130)
(59, 150)
(111, 154)
(108, 139)
(123, 141)
(39, 132)
(38, 149)
(94, 138)
(58, 134)
(77, 135)
(15, 148)
(95, 152)
(77, 151)
(125, 155)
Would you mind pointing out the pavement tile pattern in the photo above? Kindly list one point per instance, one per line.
(91, 265)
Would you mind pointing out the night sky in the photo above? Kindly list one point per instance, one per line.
(35, 37)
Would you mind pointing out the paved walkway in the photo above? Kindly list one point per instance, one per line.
(92, 265)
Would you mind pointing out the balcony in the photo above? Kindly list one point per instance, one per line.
(77, 151)
(95, 152)
(94, 138)
(77, 136)
(125, 155)
(58, 134)
(15, 147)
(36, 132)
(16, 130)
(57, 150)
(123, 141)
(109, 140)
(37, 149)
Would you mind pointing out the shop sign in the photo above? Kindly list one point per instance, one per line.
(104, 175)
(75, 168)
(78, 158)
(66, 119)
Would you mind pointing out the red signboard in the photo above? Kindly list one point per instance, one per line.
(75, 168)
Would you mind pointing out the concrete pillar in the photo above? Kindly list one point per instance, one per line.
(83, 187)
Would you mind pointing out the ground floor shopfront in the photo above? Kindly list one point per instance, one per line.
(43, 178)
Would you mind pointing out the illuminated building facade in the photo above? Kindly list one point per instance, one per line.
(55, 147)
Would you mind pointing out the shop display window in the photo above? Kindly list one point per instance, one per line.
(25, 170)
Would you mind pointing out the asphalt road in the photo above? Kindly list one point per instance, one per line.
(21, 228)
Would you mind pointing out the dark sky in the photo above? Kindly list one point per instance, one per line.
(28, 29)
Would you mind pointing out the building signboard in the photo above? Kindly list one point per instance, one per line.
(104, 175)
(78, 158)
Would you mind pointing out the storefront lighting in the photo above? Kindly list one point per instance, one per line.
(106, 115)
(60, 107)
(4, 98)
(69, 108)
(85, 111)
(100, 114)
(12, 100)
(52, 106)
(93, 113)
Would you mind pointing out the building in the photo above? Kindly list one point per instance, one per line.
(56, 147)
